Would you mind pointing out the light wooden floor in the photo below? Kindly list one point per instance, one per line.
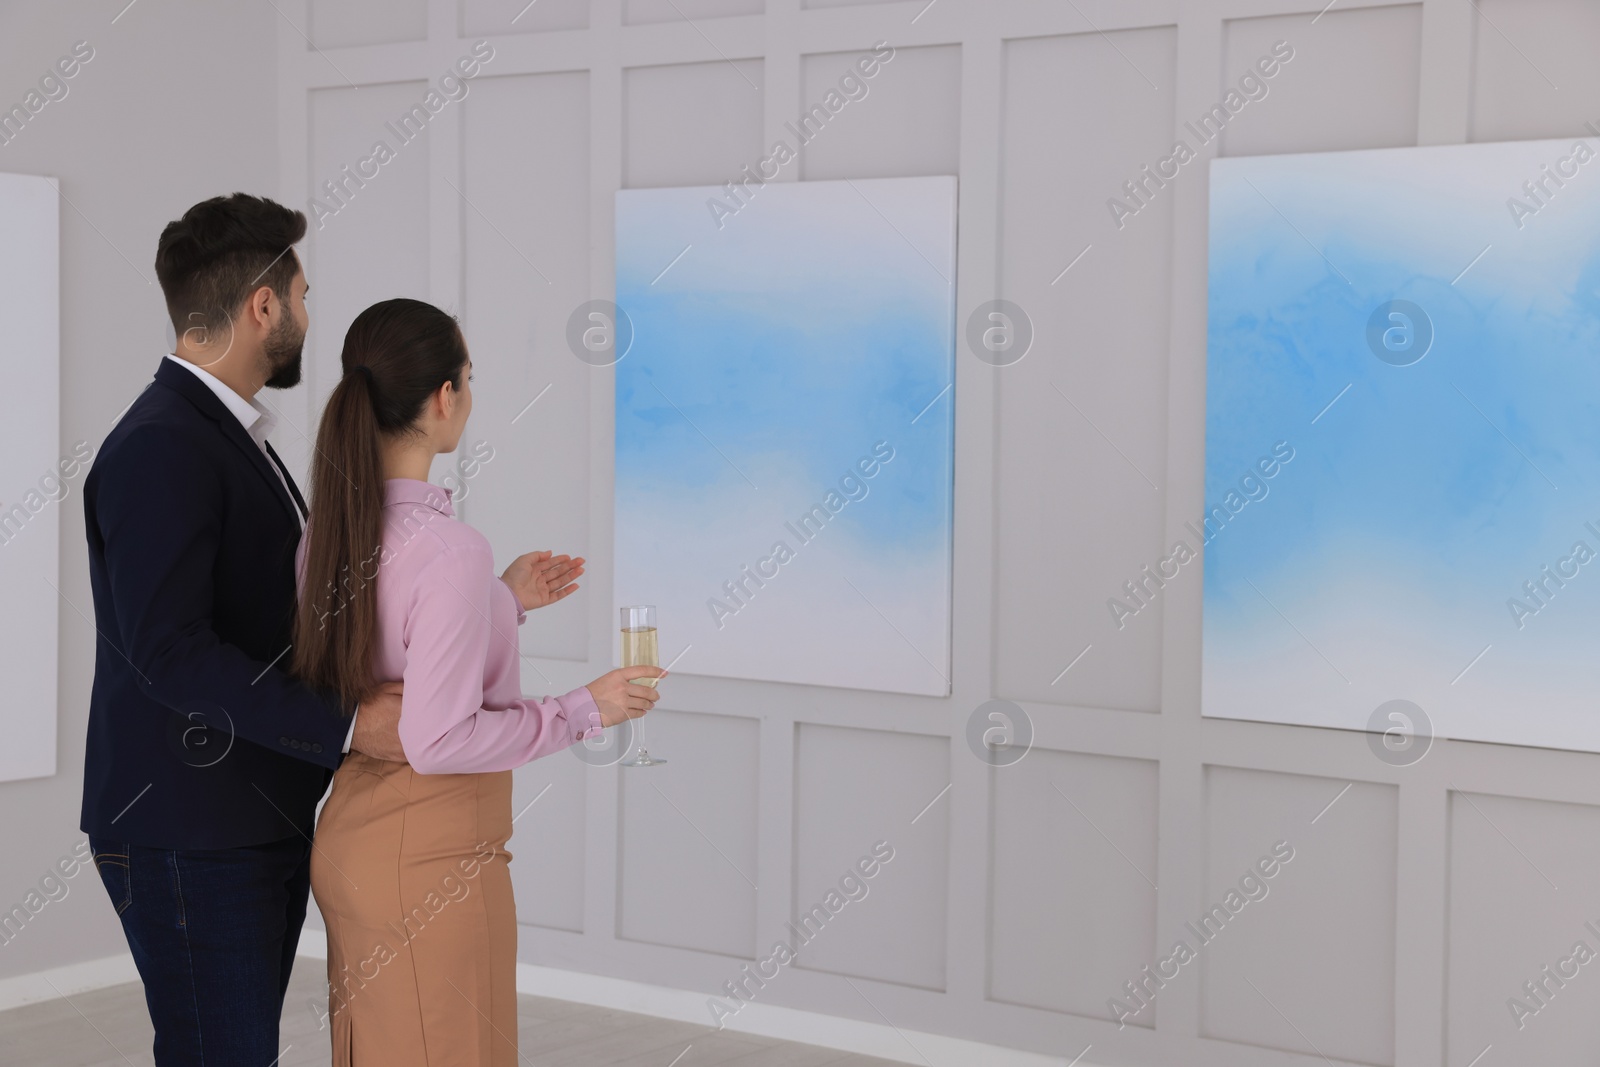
(109, 1028)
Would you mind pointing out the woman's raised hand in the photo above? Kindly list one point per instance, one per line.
(539, 579)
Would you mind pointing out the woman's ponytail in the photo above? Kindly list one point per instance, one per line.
(338, 612)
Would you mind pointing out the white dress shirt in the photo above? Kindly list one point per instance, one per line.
(254, 416)
(257, 421)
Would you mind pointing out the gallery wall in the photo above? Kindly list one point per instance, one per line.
(167, 111)
(30, 469)
(1020, 899)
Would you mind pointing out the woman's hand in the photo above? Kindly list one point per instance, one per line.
(539, 579)
(620, 695)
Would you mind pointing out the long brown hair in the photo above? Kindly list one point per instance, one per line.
(396, 355)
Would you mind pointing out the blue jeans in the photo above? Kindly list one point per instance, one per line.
(213, 934)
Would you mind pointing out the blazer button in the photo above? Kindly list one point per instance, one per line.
(283, 740)
(316, 746)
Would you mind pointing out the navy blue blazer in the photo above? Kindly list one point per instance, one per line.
(197, 739)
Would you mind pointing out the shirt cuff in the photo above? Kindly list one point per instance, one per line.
(522, 613)
(583, 714)
(352, 731)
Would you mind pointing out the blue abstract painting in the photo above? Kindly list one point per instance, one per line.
(1402, 473)
(785, 416)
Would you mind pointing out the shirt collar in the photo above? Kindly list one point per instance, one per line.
(411, 491)
(252, 415)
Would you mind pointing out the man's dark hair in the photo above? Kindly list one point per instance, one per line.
(221, 251)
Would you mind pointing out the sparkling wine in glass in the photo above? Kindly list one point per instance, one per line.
(640, 648)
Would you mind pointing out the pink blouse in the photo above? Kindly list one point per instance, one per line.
(447, 628)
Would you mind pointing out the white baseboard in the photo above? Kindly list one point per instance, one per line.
(760, 1020)
(65, 981)
(783, 1024)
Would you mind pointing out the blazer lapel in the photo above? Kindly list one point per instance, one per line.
(192, 389)
(288, 479)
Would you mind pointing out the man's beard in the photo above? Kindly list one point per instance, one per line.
(282, 351)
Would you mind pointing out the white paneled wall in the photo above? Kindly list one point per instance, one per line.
(525, 266)
(906, 125)
(1313, 968)
(1019, 899)
(375, 244)
(688, 867)
(1085, 892)
(1505, 930)
(855, 788)
(496, 17)
(642, 12)
(548, 850)
(690, 124)
(355, 22)
(1535, 76)
(1087, 407)
(1310, 105)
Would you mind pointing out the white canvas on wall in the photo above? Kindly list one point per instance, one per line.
(785, 428)
(1403, 442)
(37, 478)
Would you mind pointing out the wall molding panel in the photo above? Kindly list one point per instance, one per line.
(1072, 467)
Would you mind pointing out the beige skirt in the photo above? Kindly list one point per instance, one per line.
(410, 872)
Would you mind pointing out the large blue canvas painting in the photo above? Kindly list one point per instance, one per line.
(785, 416)
(1403, 442)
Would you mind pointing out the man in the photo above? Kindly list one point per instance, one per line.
(205, 761)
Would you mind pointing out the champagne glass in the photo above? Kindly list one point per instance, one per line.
(640, 648)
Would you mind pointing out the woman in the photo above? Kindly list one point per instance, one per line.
(409, 867)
